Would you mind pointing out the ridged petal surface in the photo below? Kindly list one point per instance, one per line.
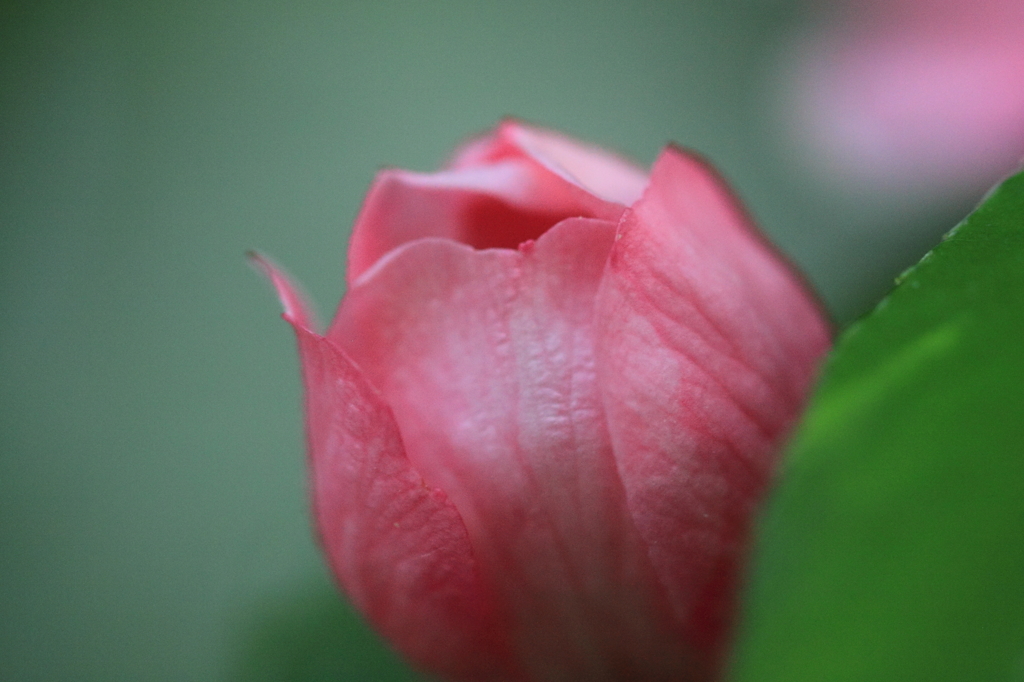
(397, 546)
(707, 345)
(487, 360)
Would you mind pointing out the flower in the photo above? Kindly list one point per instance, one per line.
(547, 406)
(914, 96)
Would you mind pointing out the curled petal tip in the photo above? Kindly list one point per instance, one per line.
(296, 310)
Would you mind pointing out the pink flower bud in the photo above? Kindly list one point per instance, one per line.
(547, 407)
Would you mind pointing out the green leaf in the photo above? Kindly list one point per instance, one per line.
(893, 547)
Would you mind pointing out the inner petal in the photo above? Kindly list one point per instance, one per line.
(592, 169)
(488, 222)
(498, 204)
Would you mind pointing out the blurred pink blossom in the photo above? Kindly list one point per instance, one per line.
(915, 95)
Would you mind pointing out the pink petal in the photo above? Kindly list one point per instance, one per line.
(707, 345)
(292, 298)
(593, 169)
(497, 205)
(500, 191)
(487, 360)
(397, 546)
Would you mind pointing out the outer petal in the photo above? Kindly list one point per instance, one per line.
(397, 546)
(707, 345)
(486, 358)
(502, 190)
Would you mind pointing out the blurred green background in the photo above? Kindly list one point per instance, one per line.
(153, 517)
